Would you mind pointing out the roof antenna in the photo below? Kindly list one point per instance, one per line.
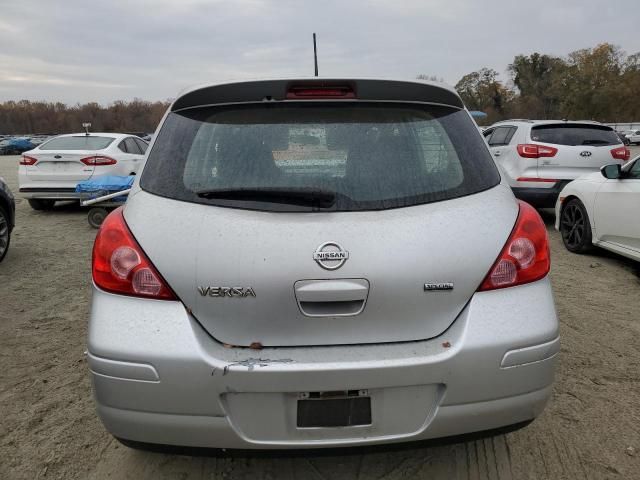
(86, 127)
(315, 54)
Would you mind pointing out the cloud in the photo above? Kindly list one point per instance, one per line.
(106, 50)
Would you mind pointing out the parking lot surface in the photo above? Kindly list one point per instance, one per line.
(48, 428)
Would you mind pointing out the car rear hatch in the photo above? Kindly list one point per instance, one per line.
(66, 159)
(318, 222)
(60, 167)
(575, 149)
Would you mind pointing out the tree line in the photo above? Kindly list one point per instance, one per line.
(26, 117)
(600, 83)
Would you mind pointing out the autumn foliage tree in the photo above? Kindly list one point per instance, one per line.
(600, 83)
(482, 91)
(25, 117)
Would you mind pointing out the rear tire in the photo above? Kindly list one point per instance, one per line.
(575, 227)
(5, 234)
(96, 216)
(39, 204)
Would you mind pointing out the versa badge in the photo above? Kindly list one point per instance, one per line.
(239, 292)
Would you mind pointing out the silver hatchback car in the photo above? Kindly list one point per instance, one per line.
(319, 263)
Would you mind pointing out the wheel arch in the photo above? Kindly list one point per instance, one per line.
(572, 196)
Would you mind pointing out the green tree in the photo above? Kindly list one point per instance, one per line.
(481, 90)
(592, 84)
(539, 80)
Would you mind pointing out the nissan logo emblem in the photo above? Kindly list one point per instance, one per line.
(330, 255)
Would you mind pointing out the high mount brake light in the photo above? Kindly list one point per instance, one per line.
(98, 160)
(531, 150)
(621, 153)
(525, 257)
(319, 91)
(120, 266)
(28, 160)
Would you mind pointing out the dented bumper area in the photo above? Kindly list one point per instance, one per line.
(158, 377)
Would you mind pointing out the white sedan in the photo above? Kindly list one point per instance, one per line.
(52, 170)
(633, 136)
(602, 209)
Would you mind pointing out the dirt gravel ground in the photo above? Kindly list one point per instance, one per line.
(48, 429)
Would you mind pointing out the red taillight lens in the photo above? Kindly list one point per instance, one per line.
(525, 257)
(313, 92)
(120, 265)
(621, 153)
(530, 150)
(28, 160)
(99, 160)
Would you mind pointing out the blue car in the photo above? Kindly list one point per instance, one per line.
(16, 146)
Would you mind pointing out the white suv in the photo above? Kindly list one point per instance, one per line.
(539, 157)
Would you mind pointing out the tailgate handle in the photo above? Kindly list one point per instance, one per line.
(331, 298)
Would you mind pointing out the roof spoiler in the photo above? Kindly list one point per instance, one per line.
(277, 90)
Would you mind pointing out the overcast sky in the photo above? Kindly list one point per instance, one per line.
(92, 50)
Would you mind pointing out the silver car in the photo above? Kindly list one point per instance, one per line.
(319, 263)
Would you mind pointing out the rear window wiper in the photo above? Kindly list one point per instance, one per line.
(294, 196)
(596, 142)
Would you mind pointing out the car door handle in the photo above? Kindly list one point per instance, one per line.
(496, 154)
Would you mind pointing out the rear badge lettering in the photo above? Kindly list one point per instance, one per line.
(440, 286)
(233, 292)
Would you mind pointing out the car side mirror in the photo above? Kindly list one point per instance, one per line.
(612, 172)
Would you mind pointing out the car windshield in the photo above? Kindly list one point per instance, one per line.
(574, 134)
(80, 142)
(345, 157)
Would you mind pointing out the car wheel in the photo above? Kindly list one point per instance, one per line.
(96, 216)
(38, 204)
(575, 227)
(5, 235)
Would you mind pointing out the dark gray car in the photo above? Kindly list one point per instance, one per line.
(7, 217)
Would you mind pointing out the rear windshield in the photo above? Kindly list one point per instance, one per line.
(574, 134)
(369, 156)
(77, 143)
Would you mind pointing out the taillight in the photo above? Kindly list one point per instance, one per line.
(28, 160)
(621, 153)
(97, 160)
(320, 91)
(525, 257)
(120, 265)
(531, 150)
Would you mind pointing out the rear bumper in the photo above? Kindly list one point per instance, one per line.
(50, 193)
(218, 432)
(159, 378)
(540, 197)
